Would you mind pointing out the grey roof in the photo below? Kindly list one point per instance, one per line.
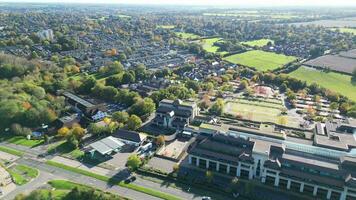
(107, 145)
(78, 99)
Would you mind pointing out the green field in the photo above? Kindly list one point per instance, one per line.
(334, 81)
(346, 30)
(20, 140)
(260, 111)
(208, 45)
(166, 26)
(22, 174)
(260, 60)
(188, 36)
(11, 151)
(258, 43)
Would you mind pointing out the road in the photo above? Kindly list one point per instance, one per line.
(48, 172)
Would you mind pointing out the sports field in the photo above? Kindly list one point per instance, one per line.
(259, 111)
(189, 36)
(208, 45)
(165, 26)
(260, 60)
(331, 80)
(346, 30)
(258, 43)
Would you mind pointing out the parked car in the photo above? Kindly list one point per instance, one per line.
(206, 198)
(130, 179)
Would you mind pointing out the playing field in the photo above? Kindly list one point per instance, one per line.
(260, 60)
(208, 45)
(258, 43)
(346, 30)
(189, 36)
(334, 81)
(259, 111)
(165, 26)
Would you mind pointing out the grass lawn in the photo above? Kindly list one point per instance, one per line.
(208, 45)
(258, 111)
(331, 80)
(165, 26)
(135, 187)
(258, 43)
(65, 149)
(11, 151)
(260, 60)
(20, 140)
(346, 30)
(189, 36)
(22, 174)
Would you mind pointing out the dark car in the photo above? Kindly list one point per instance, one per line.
(130, 179)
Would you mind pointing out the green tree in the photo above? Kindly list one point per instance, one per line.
(133, 162)
(134, 122)
(73, 142)
(218, 107)
(143, 107)
(87, 85)
(120, 116)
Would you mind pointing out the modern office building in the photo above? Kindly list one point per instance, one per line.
(313, 169)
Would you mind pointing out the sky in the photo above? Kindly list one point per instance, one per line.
(209, 2)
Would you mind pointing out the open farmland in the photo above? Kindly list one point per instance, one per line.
(208, 45)
(260, 60)
(258, 43)
(334, 63)
(334, 81)
(346, 30)
(189, 36)
(341, 23)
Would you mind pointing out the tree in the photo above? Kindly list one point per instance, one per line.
(63, 132)
(143, 107)
(194, 85)
(120, 116)
(160, 141)
(73, 142)
(334, 106)
(205, 102)
(218, 107)
(133, 162)
(87, 85)
(34, 55)
(78, 132)
(128, 77)
(134, 122)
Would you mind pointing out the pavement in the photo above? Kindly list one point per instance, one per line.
(48, 173)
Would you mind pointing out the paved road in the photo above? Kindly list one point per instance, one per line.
(48, 172)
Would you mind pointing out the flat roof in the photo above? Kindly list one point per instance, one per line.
(107, 145)
(78, 99)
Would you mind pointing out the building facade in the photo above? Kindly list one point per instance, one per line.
(175, 114)
(316, 171)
